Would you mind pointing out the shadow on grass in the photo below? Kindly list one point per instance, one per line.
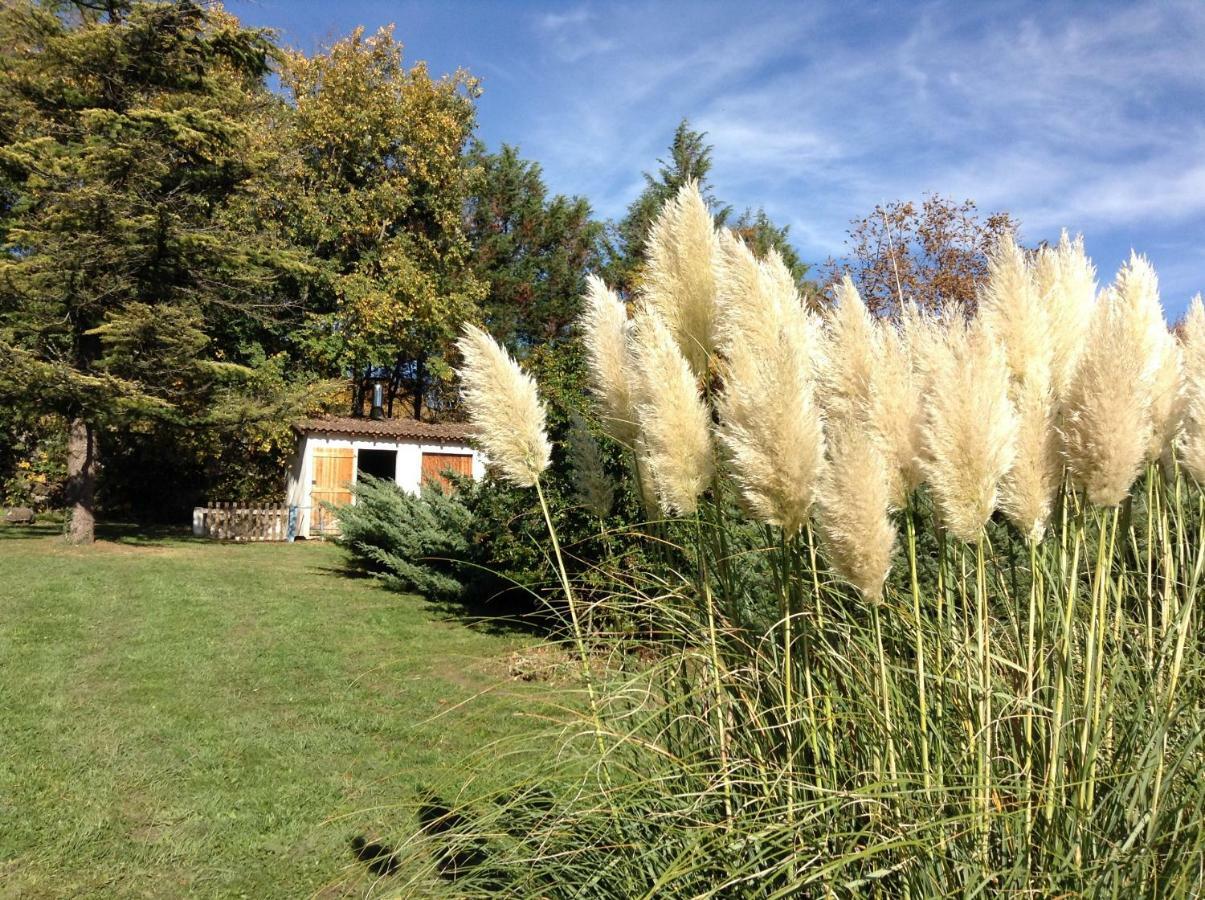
(135, 534)
(489, 605)
(30, 532)
(128, 533)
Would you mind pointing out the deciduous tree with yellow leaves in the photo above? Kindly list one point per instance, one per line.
(372, 180)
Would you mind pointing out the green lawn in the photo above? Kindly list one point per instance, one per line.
(184, 717)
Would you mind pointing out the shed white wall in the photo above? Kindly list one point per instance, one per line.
(408, 474)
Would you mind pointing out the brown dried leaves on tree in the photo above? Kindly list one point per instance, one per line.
(934, 254)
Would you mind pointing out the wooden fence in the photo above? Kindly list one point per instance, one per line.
(241, 522)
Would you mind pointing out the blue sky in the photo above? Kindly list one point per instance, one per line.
(1085, 116)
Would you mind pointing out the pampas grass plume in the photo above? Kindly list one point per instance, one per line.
(853, 354)
(1028, 490)
(675, 422)
(1107, 427)
(505, 408)
(1012, 306)
(769, 421)
(1013, 309)
(1191, 445)
(1066, 282)
(854, 509)
(1167, 400)
(605, 332)
(970, 425)
(895, 412)
(679, 282)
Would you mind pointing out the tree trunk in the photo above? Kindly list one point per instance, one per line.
(81, 482)
(420, 382)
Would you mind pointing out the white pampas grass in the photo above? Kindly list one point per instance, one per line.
(1108, 426)
(1191, 445)
(853, 354)
(769, 421)
(1066, 282)
(1167, 400)
(1011, 306)
(679, 283)
(854, 509)
(970, 425)
(868, 377)
(895, 412)
(505, 408)
(675, 422)
(605, 332)
(1028, 490)
(1016, 312)
(1136, 291)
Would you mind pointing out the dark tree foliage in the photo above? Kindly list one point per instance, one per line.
(123, 146)
(533, 251)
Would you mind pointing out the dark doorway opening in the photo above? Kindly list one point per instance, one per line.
(379, 463)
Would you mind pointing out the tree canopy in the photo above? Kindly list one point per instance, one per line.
(531, 251)
(372, 182)
(934, 253)
(124, 144)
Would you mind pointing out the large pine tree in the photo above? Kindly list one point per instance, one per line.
(123, 143)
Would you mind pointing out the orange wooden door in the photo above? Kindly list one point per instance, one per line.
(435, 464)
(334, 468)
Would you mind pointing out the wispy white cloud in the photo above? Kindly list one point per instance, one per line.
(1081, 116)
(573, 35)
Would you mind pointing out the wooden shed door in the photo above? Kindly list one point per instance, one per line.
(334, 468)
(435, 464)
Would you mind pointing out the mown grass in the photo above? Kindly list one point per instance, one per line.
(182, 717)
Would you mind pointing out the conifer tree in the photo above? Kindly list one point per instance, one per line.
(122, 147)
(532, 251)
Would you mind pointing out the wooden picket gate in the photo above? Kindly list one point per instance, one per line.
(241, 522)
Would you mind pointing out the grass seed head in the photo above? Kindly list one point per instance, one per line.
(1066, 282)
(675, 423)
(853, 514)
(769, 421)
(895, 412)
(1191, 444)
(679, 282)
(505, 408)
(1013, 307)
(606, 334)
(1107, 421)
(970, 425)
(853, 344)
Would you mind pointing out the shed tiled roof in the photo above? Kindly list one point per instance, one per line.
(355, 426)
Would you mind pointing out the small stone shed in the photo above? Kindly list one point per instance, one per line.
(332, 453)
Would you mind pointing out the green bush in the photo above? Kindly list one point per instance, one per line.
(417, 543)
